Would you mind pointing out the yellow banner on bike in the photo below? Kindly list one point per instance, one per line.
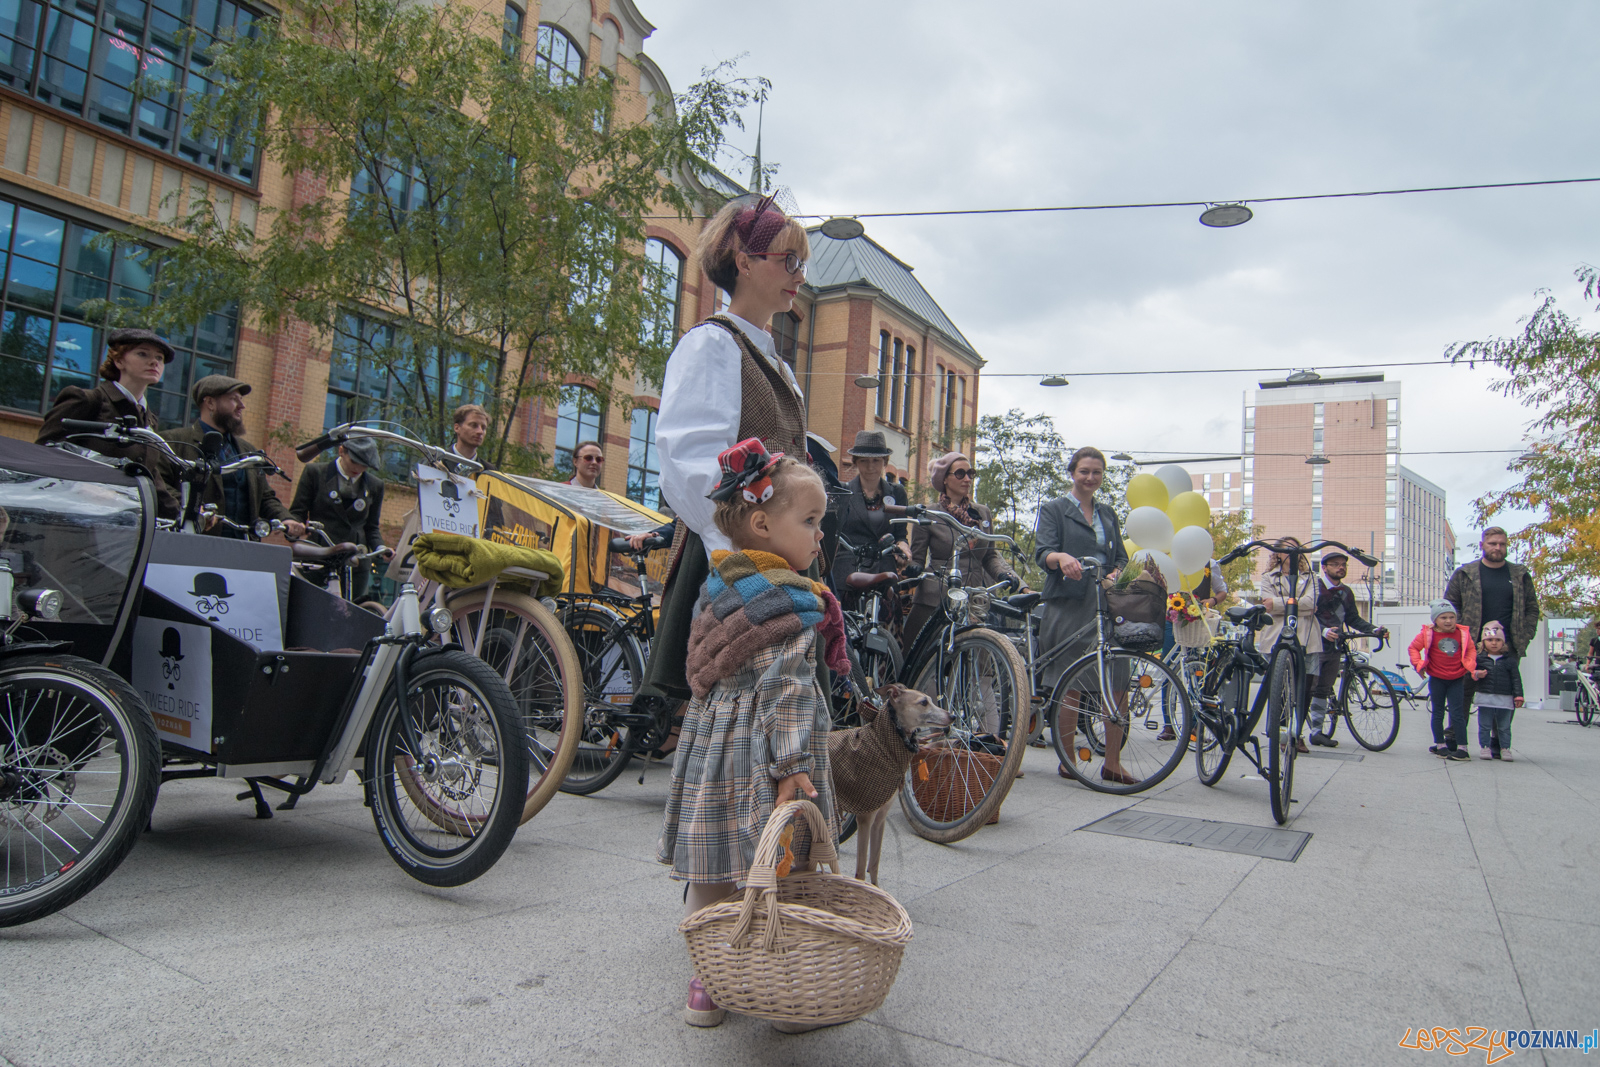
(574, 523)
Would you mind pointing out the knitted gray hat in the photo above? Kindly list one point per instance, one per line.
(1441, 607)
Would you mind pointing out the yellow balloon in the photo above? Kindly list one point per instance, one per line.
(1147, 491)
(1129, 547)
(1189, 582)
(1189, 509)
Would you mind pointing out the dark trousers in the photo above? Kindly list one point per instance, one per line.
(1494, 727)
(1449, 696)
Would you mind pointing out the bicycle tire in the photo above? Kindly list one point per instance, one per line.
(605, 747)
(439, 831)
(1583, 706)
(984, 686)
(1154, 697)
(1282, 730)
(1371, 708)
(541, 668)
(96, 732)
(1216, 733)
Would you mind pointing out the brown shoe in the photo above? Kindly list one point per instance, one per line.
(1166, 734)
(1063, 772)
(1300, 745)
(1117, 777)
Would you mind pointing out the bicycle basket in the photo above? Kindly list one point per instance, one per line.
(949, 782)
(1138, 615)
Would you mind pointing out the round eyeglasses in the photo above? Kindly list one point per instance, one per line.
(791, 261)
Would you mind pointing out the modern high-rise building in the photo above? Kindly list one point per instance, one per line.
(1322, 460)
(1424, 546)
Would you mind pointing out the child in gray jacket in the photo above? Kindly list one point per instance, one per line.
(1498, 693)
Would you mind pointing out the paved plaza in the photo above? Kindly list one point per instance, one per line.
(1430, 894)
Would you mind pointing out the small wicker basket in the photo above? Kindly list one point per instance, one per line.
(813, 947)
(949, 782)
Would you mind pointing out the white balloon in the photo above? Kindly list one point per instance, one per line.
(1176, 479)
(1168, 569)
(1191, 547)
(1150, 528)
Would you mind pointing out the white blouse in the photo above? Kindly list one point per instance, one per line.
(701, 399)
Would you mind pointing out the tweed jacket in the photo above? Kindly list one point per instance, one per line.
(981, 564)
(1465, 591)
(861, 526)
(340, 517)
(106, 403)
(1061, 528)
(1275, 584)
(869, 764)
(264, 503)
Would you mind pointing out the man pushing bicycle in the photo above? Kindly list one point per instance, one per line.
(1337, 614)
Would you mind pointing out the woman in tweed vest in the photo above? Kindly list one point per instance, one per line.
(724, 383)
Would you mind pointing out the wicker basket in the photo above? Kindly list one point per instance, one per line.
(949, 782)
(1195, 633)
(813, 947)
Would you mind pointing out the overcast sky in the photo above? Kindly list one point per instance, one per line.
(880, 106)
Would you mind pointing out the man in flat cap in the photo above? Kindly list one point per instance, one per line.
(347, 498)
(243, 496)
(135, 360)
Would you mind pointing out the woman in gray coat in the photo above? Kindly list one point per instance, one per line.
(1070, 530)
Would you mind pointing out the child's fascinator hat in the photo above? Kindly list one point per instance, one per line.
(747, 471)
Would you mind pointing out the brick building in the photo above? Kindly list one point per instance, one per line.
(83, 153)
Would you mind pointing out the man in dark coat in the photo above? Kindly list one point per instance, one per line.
(347, 498)
(245, 496)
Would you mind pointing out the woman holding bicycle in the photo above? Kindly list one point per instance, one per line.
(1275, 596)
(1072, 529)
(934, 547)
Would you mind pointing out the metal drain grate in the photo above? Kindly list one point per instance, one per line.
(1352, 757)
(1266, 842)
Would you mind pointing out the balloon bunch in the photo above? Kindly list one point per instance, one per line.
(1169, 523)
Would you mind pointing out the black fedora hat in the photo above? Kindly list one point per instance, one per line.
(171, 646)
(207, 583)
(871, 444)
(448, 490)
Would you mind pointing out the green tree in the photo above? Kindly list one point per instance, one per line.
(466, 227)
(1229, 530)
(1553, 368)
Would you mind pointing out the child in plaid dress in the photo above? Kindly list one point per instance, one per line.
(756, 733)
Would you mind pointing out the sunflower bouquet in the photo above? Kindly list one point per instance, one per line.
(1183, 607)
(1188, 618)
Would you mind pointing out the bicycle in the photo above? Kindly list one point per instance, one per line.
(1147, 699)
(1365, 698)
(1412, 693)
(1287, 686)
(956, 784)
(612, 635)
(1586, 698)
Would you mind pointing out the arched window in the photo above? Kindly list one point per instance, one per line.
(511, 36)
(644, 466)
(664, 281)
(556, 56)
(578, 418)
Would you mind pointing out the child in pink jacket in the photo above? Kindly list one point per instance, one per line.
(1444, 654)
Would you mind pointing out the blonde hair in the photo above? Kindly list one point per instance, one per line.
(733, 516)
(720, 244)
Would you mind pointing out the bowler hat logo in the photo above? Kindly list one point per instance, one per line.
(211, 593)
(450, 496)
(171, 654)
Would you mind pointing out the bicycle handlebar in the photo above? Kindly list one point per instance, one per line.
(127, 435)
(623, 547)
(439, 457)
(1303, 550)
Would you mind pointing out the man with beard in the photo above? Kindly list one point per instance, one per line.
(1490, 589)
(243, 496)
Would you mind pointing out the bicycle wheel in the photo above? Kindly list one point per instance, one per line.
(525, 644)
(79, 767)
(1216, 726)
(1583, 705)
(1117, 744)
(448, 808)
(613, 664)
(1283, 728)
(1371, 708)
(957, 784)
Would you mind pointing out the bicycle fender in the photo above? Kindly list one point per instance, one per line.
(31, 648)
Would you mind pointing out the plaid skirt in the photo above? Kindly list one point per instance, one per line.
(764, 723)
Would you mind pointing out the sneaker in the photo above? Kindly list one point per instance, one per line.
(1323, 740)
(1456, 755)
(1300, 745)
(1484, 753)
(1437, 750)
(1505, 754)
(700, 1011)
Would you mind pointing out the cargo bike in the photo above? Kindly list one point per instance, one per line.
(134, 654)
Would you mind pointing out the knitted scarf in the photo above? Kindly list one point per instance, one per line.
(959, 512)
(754, 600)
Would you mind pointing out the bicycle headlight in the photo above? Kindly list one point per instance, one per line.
(439, 619)
(977, 606)
(263, 529)
(41, 603)
(956, 600)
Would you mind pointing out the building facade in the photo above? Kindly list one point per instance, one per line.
(88, 148)
(1426, 545)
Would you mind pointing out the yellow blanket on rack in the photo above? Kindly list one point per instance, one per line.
(456, 560)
